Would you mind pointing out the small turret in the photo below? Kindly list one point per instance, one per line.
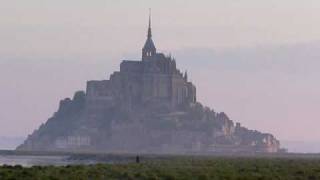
(186, 76)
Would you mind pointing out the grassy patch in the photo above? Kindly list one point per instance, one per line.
(215, 168)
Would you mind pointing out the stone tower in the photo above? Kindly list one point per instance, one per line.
(149, 48)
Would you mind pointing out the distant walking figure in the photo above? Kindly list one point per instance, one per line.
(137, 159)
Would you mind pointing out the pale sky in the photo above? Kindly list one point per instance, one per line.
(255, 60)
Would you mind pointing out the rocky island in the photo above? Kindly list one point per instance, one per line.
(149, 106)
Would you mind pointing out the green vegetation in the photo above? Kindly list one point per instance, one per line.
(201, 168)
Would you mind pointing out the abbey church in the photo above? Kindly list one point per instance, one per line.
(154, 80)
(149, 106)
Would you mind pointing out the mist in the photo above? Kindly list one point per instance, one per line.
(256, 61)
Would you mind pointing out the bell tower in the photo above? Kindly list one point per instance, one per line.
(149, 48)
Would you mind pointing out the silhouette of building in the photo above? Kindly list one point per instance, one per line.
(153, 80)
(148, 106)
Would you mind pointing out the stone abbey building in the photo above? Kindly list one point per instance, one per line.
(153, 81)
(149, 106)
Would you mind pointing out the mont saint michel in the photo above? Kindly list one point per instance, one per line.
(149, 106)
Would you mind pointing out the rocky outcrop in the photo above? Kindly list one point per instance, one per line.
(193, 128)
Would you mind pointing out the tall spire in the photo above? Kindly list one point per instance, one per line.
(149, 29)
(149, 48)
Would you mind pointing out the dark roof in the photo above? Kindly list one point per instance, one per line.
(149, 45)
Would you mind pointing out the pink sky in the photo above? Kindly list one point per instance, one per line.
(256, 61)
